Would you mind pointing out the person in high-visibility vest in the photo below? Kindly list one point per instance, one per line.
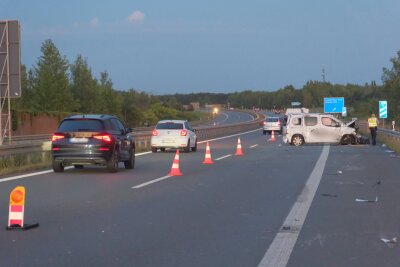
(373, 127)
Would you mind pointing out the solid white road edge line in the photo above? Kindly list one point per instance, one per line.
(138, 154)
(279, 251)
(151, 182)
(254, 146)
(226, 156)
(28, 175)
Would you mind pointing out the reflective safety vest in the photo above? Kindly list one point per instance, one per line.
(372, 122)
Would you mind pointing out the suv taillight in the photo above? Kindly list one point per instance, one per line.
(103, 137)
(183, 133)
(264, 123)
(57, 137)
(155, 132)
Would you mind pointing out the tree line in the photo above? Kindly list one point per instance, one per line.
(55, 85)
(360, 100)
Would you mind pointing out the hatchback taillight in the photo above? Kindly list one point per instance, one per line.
(103, 137)
(155, 132)
(57, 137)
(183, 133)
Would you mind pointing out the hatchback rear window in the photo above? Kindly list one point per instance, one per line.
(169, 126)
(83, 125)
(272, 119)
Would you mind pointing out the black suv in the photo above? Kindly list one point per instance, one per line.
(92, 139)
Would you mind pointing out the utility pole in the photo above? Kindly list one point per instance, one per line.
(323, 74)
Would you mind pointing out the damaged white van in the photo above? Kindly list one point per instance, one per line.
(318, 128)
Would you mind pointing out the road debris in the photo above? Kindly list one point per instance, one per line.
(394, 156)
(383, 145)
(377, 183)
(328, 195)
(367, 200)
(389, 151)
(390, 241)
(339, 172)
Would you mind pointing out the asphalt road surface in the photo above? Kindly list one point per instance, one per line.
(228, 117)
(277, 205)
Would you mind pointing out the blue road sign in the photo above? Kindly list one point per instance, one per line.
(383, 109)
(333, 104)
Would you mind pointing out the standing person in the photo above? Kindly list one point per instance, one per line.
(373, 127)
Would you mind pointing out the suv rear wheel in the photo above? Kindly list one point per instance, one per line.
(57, 166)
(130, 163)
(112, 164)
(297, 140)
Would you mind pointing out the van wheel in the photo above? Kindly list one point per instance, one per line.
(297, 140)
(154, 150)
(348, 140)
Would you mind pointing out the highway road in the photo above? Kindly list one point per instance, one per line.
(228, 117)
(276, 205)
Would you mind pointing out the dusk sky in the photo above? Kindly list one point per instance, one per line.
(170, 46)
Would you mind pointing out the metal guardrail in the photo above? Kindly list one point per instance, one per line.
(142, 138)
(390, 134)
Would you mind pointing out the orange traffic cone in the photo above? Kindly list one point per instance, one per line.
(239, 151)
(207, 157)
(175, 166)
(272, 136)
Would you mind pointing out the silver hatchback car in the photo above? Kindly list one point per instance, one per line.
(273, 124)
(173, 134)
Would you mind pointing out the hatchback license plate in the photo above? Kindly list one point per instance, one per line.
(78, 140)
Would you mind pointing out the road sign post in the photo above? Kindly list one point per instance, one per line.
(383, 109)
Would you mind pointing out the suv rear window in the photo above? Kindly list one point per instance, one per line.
(272, 119)
(170, 126)
(82, 125)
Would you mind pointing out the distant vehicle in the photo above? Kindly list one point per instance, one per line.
(273, 124)
(215, 111)
(92, 140)
(318, 128)
(173, 134)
